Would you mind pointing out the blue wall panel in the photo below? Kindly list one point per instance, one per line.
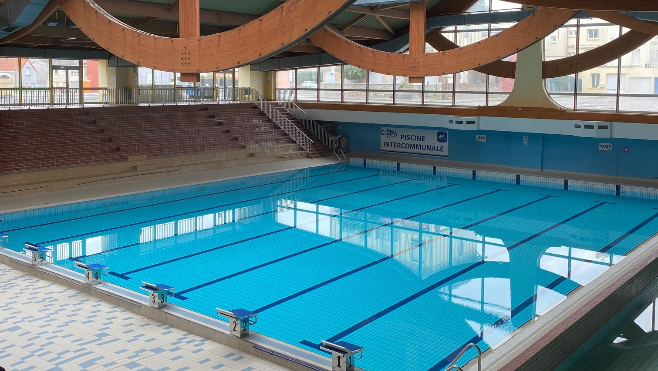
(542, 151)
(528, 155)
(579, 155)
(641, 161)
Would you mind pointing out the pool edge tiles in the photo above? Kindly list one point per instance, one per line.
(511, 178)
(551, 339)
(262, 346)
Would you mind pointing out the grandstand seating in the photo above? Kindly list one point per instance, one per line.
(60, 139)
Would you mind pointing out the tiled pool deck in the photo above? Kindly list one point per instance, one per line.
(48, 327)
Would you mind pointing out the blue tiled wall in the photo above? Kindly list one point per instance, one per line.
(542, 151)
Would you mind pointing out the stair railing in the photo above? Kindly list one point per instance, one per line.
(318, 130)
(281, 120)
(453, 365)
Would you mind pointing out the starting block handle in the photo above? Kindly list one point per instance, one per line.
(158, 287)
(332, 347)
(239, 315)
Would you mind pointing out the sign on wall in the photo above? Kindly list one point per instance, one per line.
(422, 142)
(605, 147)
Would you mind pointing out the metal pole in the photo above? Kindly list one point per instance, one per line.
(575, 87)
(395, 82)
(214, 86)
(233, 85)
(50, 80)
(367, 87)
(152, 85)
(318, 79)
(20, 81)
(342, 83)
(618, 77)
(81, 81)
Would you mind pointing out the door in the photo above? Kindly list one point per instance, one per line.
(640, 85)
(611, 83)
(66, 85)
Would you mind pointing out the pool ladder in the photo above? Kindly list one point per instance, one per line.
(453, 366)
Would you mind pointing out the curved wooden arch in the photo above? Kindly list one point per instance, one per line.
(291, 22)
(610, 51)
(626, 5)
(520, 36)
(43, 15)
(627, 21)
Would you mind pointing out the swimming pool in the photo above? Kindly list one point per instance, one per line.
(410, 266)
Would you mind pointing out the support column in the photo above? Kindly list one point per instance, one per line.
(529, 87)
(189, 25)
(417, 18)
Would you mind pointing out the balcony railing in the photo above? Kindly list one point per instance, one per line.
(75, 97)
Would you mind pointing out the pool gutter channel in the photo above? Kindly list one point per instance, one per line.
(256, 344)
(541, 340)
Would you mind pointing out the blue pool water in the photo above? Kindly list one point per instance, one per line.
(411, 267)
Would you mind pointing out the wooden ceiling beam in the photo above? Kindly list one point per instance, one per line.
(172, 6)
(383, 23)
(189, 27)
(627, 21)
(56, 41)
(352, 22)
(216, 52)
(358, 33)
(58, 31)
(599, 56)
(417, 37)
(391, 13)
(45, 13)
(443, 8)
(143, 21)
(139, 8)
(390, 6)
(518, 37)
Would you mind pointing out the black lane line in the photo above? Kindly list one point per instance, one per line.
(323, 245)
(386, 258)
(443, 281)
(125, 274)
(158, 203)
(248, 217)
(526, 303)
(198, 210)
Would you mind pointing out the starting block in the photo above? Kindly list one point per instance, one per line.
(158, 294)
(343, 354)
(38, 254)
(93, 272)
(239, 320)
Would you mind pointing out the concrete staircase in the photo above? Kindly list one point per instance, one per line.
(318, 149)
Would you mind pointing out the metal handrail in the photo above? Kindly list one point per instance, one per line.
(282, 121)
(469, 346)
(103, 96)
(344, 159)
(454, 368)
(318, 130)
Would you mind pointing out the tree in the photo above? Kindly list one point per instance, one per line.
(353, 73)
